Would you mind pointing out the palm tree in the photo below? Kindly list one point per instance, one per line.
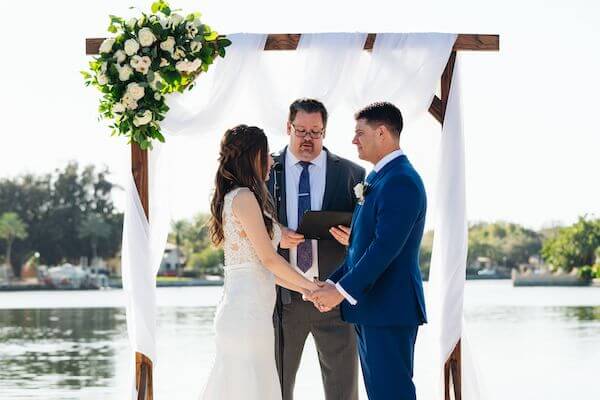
(11, 228)
(94, 227)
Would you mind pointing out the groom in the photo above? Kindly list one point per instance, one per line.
(379, 283)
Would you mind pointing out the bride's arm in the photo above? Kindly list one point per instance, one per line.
(291, 286)
(246, 209)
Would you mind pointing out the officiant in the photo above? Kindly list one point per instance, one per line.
(307, 176)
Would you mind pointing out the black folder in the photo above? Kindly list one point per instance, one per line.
(316, 224)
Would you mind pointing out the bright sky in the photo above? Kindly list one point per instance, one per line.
(531, 128)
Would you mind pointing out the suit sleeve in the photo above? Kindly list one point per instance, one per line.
(397, 211)
(338, 273)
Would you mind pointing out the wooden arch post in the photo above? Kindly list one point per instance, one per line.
(286, 41)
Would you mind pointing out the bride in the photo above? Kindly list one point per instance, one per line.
(242, 223)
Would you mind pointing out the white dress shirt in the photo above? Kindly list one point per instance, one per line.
(317, 173)
(380, 164)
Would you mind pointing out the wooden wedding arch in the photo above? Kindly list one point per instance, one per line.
(139, 169)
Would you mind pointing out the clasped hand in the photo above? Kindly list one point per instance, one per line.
(325, 296)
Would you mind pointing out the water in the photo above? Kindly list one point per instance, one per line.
(530, 343)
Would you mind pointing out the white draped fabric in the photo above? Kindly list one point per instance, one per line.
(404, 69)
(449, 253)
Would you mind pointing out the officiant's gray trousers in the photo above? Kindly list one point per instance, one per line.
(336, 347)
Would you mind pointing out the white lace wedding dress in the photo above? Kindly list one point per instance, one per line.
(244, 367)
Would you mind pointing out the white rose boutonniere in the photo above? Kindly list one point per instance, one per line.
(359, 192)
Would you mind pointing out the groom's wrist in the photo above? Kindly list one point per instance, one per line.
(346, 295)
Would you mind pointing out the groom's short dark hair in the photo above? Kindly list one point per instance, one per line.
(308, 106)
(382, 113)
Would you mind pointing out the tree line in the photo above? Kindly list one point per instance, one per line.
(61, 216)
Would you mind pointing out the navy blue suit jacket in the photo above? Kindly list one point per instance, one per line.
(381, 269)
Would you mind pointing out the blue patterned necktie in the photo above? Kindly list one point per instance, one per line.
(305, 256)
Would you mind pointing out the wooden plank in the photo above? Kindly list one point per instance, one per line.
(143, 377)
(289, 41)
(139, 169)
(435, 109)
(447, 81)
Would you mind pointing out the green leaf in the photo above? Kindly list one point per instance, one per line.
(211, 36)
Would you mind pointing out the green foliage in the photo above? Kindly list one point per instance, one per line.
(585, 273)
(94, 228)
(166, 53)
(55, 207)
(11, 228)
(573, 246)
(506, 244)
(207, 261)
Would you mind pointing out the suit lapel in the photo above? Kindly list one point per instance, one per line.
(331, 179)
(388, 167)
(282, 212)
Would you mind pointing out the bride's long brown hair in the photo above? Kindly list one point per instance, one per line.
(243, 162)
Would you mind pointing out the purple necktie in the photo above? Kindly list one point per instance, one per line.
(305, 256)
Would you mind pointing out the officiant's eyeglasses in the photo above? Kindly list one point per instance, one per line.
(302, 132)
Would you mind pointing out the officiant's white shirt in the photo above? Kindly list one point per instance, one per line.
(317, 172)
(382, 163)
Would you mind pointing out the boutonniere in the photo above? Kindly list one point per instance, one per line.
(361, 190)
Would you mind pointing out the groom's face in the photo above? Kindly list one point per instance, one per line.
(301, 131)
(366, 139)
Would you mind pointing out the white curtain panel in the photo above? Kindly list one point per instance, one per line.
(403, 68)
(197, 112)
(327, 62)
(450, 242)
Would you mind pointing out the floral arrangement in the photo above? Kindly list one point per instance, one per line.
(148, 58)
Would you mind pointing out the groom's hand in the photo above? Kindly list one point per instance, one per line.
(326, 298)
(290, 239)
(341, 233)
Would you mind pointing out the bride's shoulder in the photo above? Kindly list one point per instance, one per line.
(242, 197)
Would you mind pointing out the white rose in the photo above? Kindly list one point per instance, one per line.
(191, 29)
(197, 63)
(129, 101)
(131, 23)
(182, 66)
(131, 47)
(164, 23)
(359, 192)
(136, 91)
(146, 37)
(118, 108)
(168, 44)
(107, 45)
(120, 56)
(175, 19)
(102, 79)
(195, 46)
(163, 62)
(143, 119)
(124, 72)
(178, 54)
(141, 64)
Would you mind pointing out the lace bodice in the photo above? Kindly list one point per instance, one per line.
(236, 245)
